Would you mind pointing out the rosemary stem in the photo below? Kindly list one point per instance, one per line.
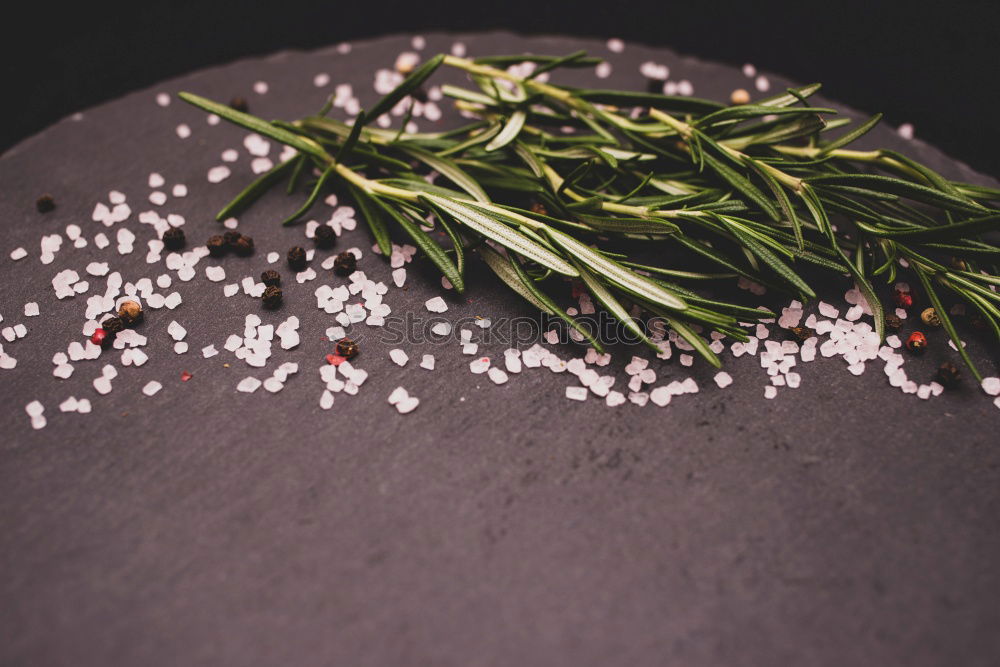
(872, 157)
(686, 131)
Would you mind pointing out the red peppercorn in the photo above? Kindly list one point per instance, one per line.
(100, 337)
(917, 342)
(902, 299)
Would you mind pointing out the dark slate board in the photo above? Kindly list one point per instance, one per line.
(843, 523)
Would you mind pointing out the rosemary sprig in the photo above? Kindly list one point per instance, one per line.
(759, 190)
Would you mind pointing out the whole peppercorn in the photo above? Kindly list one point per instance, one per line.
(959, 264)
(270, 278)
(947, 374)
(802, 333)
(345, 263)
(100, 337)
(894, 321)
(539, 208)
(130, 313)
(654, 86)
(244, 246)
(239, 104)
(739, 96)
(271, 297)
(917, 342)
(113, 325)
(325, 236)
(902, 299)
(45, 203)
(231, 237)
(216, 246)
(347, 348)
(173, 238)
(297, 258)
(930, 317)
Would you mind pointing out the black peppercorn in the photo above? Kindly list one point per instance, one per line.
(947, 374)
(325, 237)
(231, 237)
(894, 321)
(113, 325)
(216, 246)
(130, 313)
(347, 348)
(45, 203)
(244, 246)
(271, 297)
(654, 86)
(239, 103)
(270, 278)
(420, 95)
(297, 258)
(173, 238)
(345, 263)
(802, 333)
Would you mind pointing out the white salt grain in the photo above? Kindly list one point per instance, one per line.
(723, 379)
(151, 388)
(427, 362)
(218, 174)
(215, 273)
(497, 375)
(248, 385)
(399, 357)
(407, 405)
(436, 305)
(576, 393)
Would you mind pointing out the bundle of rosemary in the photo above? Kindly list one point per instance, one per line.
(754, 189)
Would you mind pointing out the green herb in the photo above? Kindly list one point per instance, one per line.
(757, 190)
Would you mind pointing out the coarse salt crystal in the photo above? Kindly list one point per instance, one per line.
(399, 357)
(248, 385)
(497, 375)
(151, 388)
(723, 379)
(407, 405)
(436, 305)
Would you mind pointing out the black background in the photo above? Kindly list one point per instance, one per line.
(933, 65)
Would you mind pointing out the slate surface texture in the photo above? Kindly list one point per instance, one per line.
(840, 524)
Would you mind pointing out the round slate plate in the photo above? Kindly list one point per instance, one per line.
(842, 523)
